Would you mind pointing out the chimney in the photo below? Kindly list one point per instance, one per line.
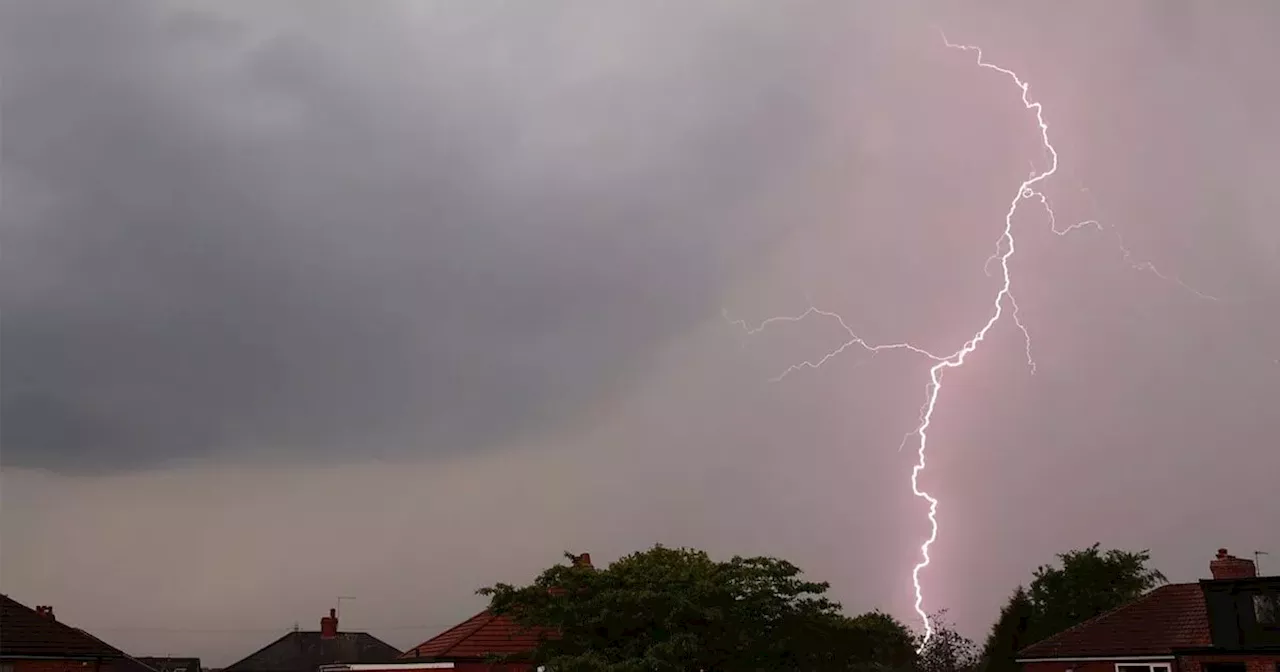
(329, 625)
(1226, 566)
(46, 611)
(583, 560)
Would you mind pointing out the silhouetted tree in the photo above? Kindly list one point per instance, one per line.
(1088, 583)
(946, 650)
(1009, 634)
(677, 609)
(878, 641)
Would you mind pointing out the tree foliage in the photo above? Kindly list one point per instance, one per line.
(677, 609)
(1088, 583)
(877, 640)
(1009, 634)
(947, 650)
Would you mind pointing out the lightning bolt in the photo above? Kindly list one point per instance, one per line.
(1003, 302)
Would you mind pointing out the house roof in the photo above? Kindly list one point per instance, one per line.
(305, 651)
(478, 637)
(1166, 619)
(126, 663)
(487, 634)
(131, 664)
(28, 633)
(168, 664)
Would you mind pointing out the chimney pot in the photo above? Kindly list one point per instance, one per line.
(1226, 567)
(583, 560)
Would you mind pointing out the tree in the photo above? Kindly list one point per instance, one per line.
(946, 650)
(1088, 583)
(677, 609)
(1009, 634)
(877, 641)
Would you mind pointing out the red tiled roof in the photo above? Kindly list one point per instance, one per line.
(1170, 617)
(28, 633)
(480, 636)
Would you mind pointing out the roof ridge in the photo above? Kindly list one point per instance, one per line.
(473, 622)
(1141, 599)
(308, 647)
(481, 635)
(26, 616)
(479, 625)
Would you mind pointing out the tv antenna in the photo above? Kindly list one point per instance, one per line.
(338, 611)
(1257, 561)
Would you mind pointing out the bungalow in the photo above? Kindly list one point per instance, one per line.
(1230, 623)
(34, 640)
(470, 646)
(307, 651)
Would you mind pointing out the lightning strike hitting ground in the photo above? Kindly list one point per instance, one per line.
(1002, 301)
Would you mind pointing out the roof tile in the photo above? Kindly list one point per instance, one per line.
(480, 636)
(304, 651)
(1170, 617)
(27, 633)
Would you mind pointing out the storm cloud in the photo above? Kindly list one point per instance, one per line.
(295, 233)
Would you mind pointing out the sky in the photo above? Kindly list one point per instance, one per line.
(396, 300)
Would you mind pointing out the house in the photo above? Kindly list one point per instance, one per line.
(1230, 623)
(470, 646)
(307, 651)
(128, 663)
(34, 640)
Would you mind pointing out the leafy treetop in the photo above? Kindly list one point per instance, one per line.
(1088, 583)
(677, 609)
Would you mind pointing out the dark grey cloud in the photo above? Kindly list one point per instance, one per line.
(312, 230)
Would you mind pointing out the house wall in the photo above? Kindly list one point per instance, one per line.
(511, 667)
(1256, 663)
(1087, 666)
(478, 666)
(64, 666)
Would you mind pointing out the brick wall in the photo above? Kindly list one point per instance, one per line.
(477, 666)
(64, 666)
(503, 667)
(1090, 666)
(1255, 663)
